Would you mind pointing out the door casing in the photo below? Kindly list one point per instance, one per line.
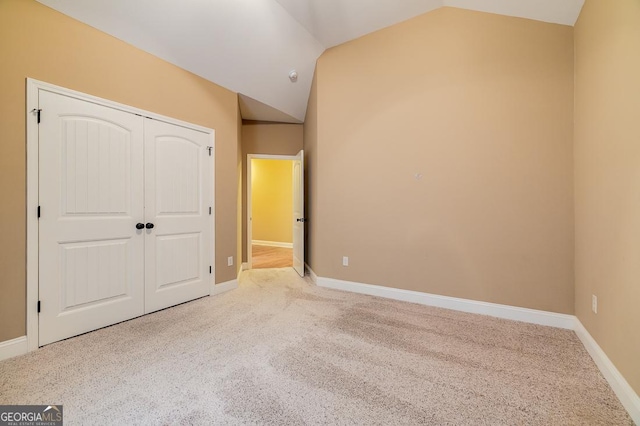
(248, 200)
(32, 252)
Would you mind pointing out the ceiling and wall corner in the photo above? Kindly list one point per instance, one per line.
(251, 46)
(245, 46)
(334, 22)
(253, 110)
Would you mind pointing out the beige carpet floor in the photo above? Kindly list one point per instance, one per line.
(279, 350)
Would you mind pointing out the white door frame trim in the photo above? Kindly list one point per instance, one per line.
(33, 87)
(248, 200)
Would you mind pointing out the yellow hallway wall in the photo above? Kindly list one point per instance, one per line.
(38, 42)
(272, 200)
(444, 146)
(607, 179)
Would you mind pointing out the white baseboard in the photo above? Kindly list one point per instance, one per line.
(532, 316)
(224, 287)
(627, 396)
(13, 347)
(312, 275)
(245, 266)
(272, 243)
(241, 270)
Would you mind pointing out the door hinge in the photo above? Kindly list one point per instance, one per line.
(38, 306)
(209, 148)
(37, 111)
(38, 212)
(210, 269)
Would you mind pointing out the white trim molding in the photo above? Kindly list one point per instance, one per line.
(33, 89)
(224, 287)
(13, 347)
(272, 243)
(625, 393)
(312, 275)
(515, 313)
(33, 176)
(249, 235)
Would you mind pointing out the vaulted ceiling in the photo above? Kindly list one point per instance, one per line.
(251, 46)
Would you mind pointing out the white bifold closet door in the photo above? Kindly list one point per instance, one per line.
(125, 226)
(178, 188)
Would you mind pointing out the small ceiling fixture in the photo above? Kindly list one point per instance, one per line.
(293, 76)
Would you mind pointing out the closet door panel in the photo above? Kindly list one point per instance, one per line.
(91, 256)
(178, 195)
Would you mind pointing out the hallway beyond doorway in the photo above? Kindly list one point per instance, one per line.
(271, 257)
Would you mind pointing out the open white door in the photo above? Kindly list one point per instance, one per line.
(298, 213)
(178, 214)
(91, 198)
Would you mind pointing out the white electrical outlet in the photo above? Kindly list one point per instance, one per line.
(230, 261)
(594, 303)
(345, 261)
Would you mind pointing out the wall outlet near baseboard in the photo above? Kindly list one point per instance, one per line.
(345, 260)
(594, 303)
(230, 261)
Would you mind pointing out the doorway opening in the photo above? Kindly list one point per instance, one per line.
(275, 222)
(271, 213)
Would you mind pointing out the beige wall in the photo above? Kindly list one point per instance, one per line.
(272, 200)
(37, 42)
(607, 178)
(272, 139)
(479, 105)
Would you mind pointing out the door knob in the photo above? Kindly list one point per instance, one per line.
(139, 225)
(149, 225)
